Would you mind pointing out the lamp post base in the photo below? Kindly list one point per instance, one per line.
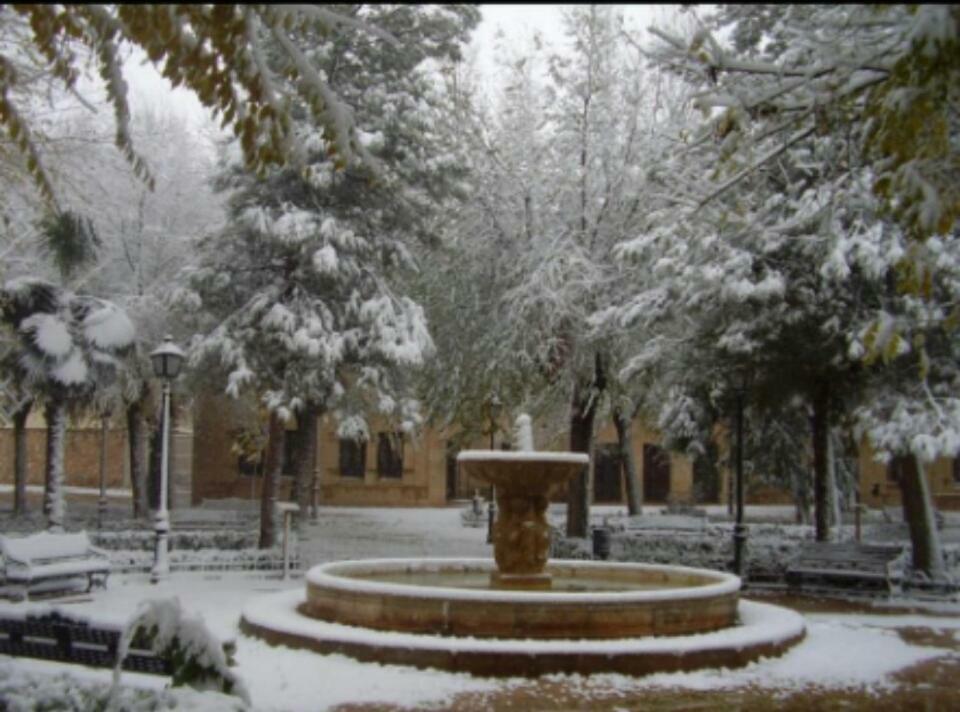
(101, 511)
(739, 546)
(161, 556)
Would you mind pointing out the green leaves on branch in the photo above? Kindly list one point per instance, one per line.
(913, 120)
(70, 240)
(884, 78)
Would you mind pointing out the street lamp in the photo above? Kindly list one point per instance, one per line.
(493, 412)
(739, 528)
(166, 359)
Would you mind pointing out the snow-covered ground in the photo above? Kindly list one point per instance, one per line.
(841, 650)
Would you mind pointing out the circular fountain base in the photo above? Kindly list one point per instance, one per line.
(597, 617)
(579, 599)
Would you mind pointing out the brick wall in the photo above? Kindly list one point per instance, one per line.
(81, 460)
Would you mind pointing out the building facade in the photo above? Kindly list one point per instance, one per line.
(394, 469)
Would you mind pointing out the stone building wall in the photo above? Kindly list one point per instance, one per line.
(81, 460)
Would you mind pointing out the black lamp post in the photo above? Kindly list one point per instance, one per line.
(493, 411)
(167, 360)
(739, 528)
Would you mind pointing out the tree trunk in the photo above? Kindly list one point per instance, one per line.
(632, 477)
(306, 462)
(801, 499)
(136, 440)
(918, 513)
(821, 433)
(53, 502)
(833, 490)
(20, 471)
(584, 410)
(271, 477)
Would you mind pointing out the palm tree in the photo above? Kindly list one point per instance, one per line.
(12, 311)
(68, 343)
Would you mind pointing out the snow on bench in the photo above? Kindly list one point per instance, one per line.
(52, 557)
(846, 565)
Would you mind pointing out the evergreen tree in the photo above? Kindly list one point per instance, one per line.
(296, 298)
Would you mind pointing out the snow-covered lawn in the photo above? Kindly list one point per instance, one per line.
(860, 650)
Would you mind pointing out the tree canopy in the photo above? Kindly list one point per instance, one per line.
(219, 51)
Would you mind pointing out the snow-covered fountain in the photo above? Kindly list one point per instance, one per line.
(520, 614)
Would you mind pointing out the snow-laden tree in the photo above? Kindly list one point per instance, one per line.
(145, 236)
(69, 345)
(512, 175)
(775, 257)
(296, 298)
(249, 64)
(558, 171)
(68, 242)
(911, 412)
(885, 76)
(775, 280)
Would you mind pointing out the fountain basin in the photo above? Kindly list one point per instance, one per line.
(532, 473)
(588, 600)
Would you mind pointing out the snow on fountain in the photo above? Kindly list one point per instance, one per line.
(519, 614)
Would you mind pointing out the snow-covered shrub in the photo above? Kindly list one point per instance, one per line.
(249, 559)
(225, 538)
(21, 691)
(198, 658)
(770, 548)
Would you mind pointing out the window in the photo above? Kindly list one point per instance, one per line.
(390, 455)
(895, 470)
(353, 458)
(249, 467)
(956, 470)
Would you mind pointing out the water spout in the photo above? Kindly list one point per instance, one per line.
(523, 433)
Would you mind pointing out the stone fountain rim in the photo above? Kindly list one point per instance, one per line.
(325, 575)
(575, 458)
(759, 624)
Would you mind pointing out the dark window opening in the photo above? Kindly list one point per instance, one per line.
(956, 470)
(353, 458)
(607, 473)
(895, 470)
(656, 474)
(390, 455)
(249, 467)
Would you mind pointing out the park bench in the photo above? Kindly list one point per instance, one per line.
(54, 636)
(201, 519)
(48, 557)
(845, 565)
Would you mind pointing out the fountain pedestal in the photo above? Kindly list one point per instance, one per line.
(521, 534)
